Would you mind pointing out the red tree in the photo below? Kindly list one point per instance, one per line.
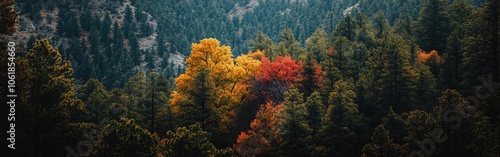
(274, 78)
(261, 139)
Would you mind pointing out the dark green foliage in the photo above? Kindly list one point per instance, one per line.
(315, 110)
(192, 141)
(8, 17)
(85, 19)
(95, 98)
(68, 25)
(105, 29)
(46, 100)
(134, 49)
(380, 24)
(347, 28)
(288, 46)
(264, 43)
(433, 26)
(311, 76)
(381, 144)
(129, 25)
(461, 122)
(126, 138)
(480, 45)
(341, 122)
(460, 12)
(294, 132)
(398, 77)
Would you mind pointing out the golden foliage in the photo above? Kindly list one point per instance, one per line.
(229, 79)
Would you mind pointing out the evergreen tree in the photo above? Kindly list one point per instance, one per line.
(398, 77)
(425, 87)
(346, 27)
(480, 45)
(460, 122)
(341, 121)
(118, 47)
(294, 131)
(134, 49)
(95, 97)
(262, 42)
(129, 25)
(289, 46)
(315, 113)
(9, 17)
(86, 20)
(158, 113)
(317, 45)
(311, 76)
(126, 138)
(381, 144)
(136, 89)
(47, 101)
(380, 24)
(433, 26)
(192, 141)
(105, 29)
(460, 12)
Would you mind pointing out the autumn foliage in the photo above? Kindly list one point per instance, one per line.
(274, 78)
(214, 85)
(262, 136)
(432, 56)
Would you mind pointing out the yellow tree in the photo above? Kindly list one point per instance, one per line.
(214, 86)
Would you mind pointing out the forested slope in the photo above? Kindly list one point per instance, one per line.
(256, 77)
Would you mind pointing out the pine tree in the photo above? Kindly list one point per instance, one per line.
(425, 87)
(47, 101)
(398, 77)
(129, 25)
(311, 76)
(460, 122)
(433, 26)
(480, 45)
(346, 27)
(158, 113)
(119, 137)
(315, 110)
(341, 121)
(262, 42)
(289, 46)
(460, 12)
(95, 97)
(85, 20)
(8, 17)
(381, 144)
(380, 24)
(294, 131)
(134, 49)
(317, 45)
(105, 29)
(117, 47)
(192, 141)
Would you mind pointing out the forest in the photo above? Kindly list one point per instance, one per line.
(247, 78)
